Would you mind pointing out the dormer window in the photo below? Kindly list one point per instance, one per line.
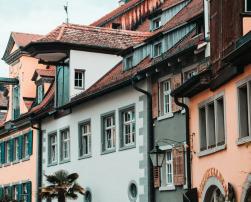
(79, 79)
(128, 62)
(247, 5)
(156, 23)
(157, 49)
(40, 93)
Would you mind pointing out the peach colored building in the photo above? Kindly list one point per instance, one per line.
(18, 135)
(219, 112)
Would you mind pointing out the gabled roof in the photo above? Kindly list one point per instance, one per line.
(116, 12)
(20, 40)
(81, 36)
(43, 73)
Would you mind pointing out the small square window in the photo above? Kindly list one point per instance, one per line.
(79, 79)
(156, 23)
(157, 49)
(190, 73)
(26, 146)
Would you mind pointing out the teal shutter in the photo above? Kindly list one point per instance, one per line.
(30, 139)
(9, 192)
(3, 153)
(62, 85)
(19, 192)
(66, 85)
(20, 147)
(1, 193)
(11, 150)
(29, 191)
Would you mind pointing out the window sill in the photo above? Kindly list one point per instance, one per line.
(15, 162)
(156, 28)
(108, 151)
(52, 164)
(167, 188)
(166, 116)
(212, 151)
(243, 140)
(127, 147)
(7, 164)
(65, 161)
(87, 156)
(79, 88)
(25, 159)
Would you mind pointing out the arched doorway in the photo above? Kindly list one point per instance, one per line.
(248, 195)
(214, 194)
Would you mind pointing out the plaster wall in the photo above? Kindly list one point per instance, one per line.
(94, 64)
(233, 162)
(106, 175)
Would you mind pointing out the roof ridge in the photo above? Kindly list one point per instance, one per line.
(118, 31)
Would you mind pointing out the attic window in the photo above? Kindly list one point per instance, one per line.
(156, 23)
(157, 49)
(40, 93)
(128, 62)
(79, 79)
(116, 26)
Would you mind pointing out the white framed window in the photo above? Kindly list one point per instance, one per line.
(165, 98)
(156, 23)
(40, 93)
(79, 79)
(8, 151)
(15, 149)
(25, 146)
(157, 49)
(85, 139)
(65, 144)
(212, 123)
(128, 63)
(25, 192)
(190, 73)
(52, 145)
(109, 132)
(247, 6)
(128, 127)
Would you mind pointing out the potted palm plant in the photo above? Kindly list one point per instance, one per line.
(62, 186)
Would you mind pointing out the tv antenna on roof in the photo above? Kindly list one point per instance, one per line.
(66, 11)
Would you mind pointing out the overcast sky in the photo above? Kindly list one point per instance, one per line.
(41, 16)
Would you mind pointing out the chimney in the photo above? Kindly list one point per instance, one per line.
(122, 2)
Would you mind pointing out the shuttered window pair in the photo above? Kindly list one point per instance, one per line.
(172, 172)
(18, 192)
(17, 148)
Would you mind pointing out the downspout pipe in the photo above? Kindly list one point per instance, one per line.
(39, 158)
(150, 139)
(188, 153)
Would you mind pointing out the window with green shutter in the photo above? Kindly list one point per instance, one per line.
(1, 193)
(11, 150)
(30, 142)
(29, 191)
(20, 147)
(15, 149)
(3, 152)
(15, 102)
(20, 192)
(62, 83)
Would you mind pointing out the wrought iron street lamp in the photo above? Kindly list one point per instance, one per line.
(157, 156)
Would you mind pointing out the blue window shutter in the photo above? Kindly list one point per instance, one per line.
(3, 153)
(10, 191)
(60, 85)
(66, 85)
(19, 192)
(11, 150)
(20, 147)
(29, 191)
(30, 139)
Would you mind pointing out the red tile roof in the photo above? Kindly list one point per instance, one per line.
(22, 39)
(43, 73)
(117, 12)
(95, 36)
(170, 3)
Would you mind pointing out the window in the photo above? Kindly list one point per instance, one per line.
(15, 102)
(85, 139)
(109, 133)
(15, 192)
(128, 62)
(247, 5)
(189, 74)
(52, 153)
(8, 151)
(25, 146)
(167, 170)
(25, 192)
(212, 124)
(116, 26)
(65, 145)
(79, 79)
(165, 97)
(156, 23)
(15, 150)
(128, 127)
(157, 49)
(40, 93)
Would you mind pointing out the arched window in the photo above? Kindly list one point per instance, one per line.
(214, 194)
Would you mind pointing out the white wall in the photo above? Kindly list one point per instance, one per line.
(108, 176)
(94, 64)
